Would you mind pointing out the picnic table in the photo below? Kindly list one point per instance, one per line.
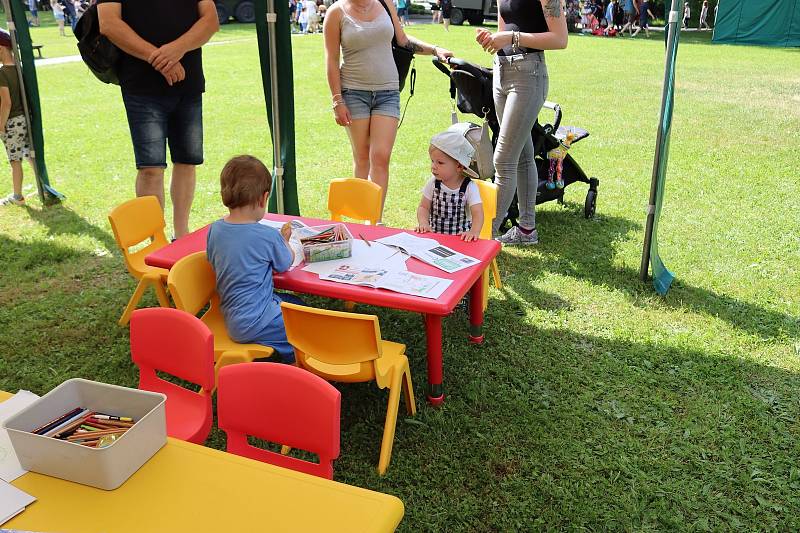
(464, 281)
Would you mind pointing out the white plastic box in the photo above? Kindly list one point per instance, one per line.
(105, 468)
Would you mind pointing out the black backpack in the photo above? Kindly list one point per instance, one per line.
(99, 54)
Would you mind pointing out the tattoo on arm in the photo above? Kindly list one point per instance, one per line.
(552, 8)
(415, 45)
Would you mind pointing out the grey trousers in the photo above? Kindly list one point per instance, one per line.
(520, 89)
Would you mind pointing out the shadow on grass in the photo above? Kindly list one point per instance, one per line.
(61, 220)
(584, 249)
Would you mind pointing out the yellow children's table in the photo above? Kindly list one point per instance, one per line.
(186, 487)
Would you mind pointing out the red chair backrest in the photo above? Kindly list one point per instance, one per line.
(177, 343)
(281, 404)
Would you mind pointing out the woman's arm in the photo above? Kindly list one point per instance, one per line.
(331, 32)
(417, 45)
(554, 38)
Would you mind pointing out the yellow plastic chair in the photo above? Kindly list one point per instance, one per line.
(488, 192)
(193, 286)
(354, 198)
(133, 223)
(347, 347)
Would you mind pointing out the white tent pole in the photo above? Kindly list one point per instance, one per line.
(272, 18)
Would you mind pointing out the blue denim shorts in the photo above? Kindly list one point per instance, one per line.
(155, 121)
(364, 104)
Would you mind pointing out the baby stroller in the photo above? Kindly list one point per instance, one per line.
(471, 88)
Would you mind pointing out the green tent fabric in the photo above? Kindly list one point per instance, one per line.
(662, 277)
(761, 22)
(284, 74)
(46, 193)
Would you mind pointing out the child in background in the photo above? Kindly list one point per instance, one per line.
(13, 126)
(58, 14)
(451, 203)
(244, 255)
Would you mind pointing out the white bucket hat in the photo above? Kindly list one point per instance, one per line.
(453, 143)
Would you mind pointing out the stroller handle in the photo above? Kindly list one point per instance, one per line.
(557, 116)
(466, 66)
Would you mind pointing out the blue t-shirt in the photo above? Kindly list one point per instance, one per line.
(243, 257)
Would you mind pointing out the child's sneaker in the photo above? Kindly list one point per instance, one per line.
(559, 184)
(549, 185)
(13, 199)
(517, 236)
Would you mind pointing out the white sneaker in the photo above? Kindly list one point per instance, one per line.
(515, 236)
(13, 199)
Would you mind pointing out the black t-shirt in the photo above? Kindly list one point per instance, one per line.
(160, 22)
(525, 16)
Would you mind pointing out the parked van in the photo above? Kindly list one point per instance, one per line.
(241, 10)
(473, 11)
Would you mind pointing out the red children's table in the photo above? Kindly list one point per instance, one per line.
(297, 280)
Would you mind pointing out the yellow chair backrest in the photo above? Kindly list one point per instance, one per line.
(332, 337)
(488, 192)
(354, 198)
(134, 222)
(192, 283)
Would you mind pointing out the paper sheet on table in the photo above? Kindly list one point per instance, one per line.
(430, 251)
(398, 281)
(10, 468)
(12, 501)
(363, 255)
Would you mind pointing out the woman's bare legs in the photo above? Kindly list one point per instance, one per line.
(359, 142)
(383, 131)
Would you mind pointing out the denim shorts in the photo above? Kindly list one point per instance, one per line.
(156, 120)
(364, 104)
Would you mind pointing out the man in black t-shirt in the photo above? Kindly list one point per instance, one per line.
(161, 74)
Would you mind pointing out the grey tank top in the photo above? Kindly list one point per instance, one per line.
(367, 61)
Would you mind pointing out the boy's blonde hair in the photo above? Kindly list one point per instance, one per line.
(243, 181)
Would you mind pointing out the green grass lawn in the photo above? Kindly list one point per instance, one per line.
(593, 404)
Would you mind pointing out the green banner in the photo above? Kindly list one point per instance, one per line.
(662, 277)
(283, 70)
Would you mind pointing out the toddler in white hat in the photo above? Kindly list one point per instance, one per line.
(450, 202)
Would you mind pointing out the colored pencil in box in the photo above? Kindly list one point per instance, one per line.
(41, 430)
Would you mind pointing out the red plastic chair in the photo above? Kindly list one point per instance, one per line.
(282, 404)
(175, 342)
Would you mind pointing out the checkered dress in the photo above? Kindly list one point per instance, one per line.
(449, 210)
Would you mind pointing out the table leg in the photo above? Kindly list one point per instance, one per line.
(476, 311)
(433, 330)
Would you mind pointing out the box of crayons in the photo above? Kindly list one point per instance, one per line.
(89, 432)
(325, 243)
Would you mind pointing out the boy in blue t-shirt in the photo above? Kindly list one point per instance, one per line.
(244, 254)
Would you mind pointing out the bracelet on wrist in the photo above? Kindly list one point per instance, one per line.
(335, 95)
(337, 103)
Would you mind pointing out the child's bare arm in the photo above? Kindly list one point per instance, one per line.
(477, 224)
(423, 212)
(5, 107)
(286, 233)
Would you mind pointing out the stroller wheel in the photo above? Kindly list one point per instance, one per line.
(590, 205)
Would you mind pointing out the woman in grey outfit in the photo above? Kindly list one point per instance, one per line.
(525, 29)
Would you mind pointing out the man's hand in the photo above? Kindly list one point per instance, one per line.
(174, 74)
(166, 57)
(423, 227)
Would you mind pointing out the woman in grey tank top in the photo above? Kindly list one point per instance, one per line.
(364, 86)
